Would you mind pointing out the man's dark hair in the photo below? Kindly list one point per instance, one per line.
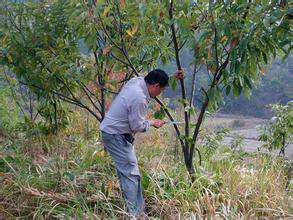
(157, 76)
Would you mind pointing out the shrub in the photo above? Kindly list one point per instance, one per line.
(277, 133)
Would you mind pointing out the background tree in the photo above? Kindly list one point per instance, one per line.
(277, 133)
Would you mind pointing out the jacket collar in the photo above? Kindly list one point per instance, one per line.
(145, 89)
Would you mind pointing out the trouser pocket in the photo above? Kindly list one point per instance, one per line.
(129, 138)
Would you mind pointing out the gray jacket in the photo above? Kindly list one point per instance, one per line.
(128, 111)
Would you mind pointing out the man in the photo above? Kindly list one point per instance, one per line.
(126, 116)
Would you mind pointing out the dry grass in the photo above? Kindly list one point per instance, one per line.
(229, 184)
(68, 176)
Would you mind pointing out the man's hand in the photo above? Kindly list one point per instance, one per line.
(179, 74)
(157, 123)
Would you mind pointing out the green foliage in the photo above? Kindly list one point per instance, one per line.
(9, 112)
(41, 45)
(279, 130)
(229, 44)
(159, 114)
(237, 142)
(40, 50)
(138, 34)
(173, 82)
(212, 141)
(55, 114)
(236, 29)
(33, 129)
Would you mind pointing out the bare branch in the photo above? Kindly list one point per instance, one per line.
(192, 93)
(65, 98)
(182, 45)
(171, 118)
(86, 90)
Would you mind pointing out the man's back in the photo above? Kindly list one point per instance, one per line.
(128, 111)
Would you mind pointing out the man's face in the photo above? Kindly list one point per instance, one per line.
(156, 90)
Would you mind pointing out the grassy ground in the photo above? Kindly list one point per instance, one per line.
(70, 176)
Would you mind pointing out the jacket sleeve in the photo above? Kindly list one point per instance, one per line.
(137, 113)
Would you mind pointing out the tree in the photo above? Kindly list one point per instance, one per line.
(233, 40)
(277, 133)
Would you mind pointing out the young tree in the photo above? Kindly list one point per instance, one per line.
(277, 133)
(233, 40)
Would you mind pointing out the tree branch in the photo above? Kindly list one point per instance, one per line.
(198, 124)
(171, 119)
(175, 43)
(65, 98)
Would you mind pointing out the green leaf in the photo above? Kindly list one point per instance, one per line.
(160, 114)
(211, 94)
(247, 82)
(203, 35)
(190, 110)
(265, 57)
(247, 92)
(235, 89)
(69, 175)
(173, 82)
(183, 101)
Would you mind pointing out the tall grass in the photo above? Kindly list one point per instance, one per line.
(70, 176)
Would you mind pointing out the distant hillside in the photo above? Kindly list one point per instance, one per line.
(275, 87)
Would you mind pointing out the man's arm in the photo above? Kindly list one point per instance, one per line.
(137, 118)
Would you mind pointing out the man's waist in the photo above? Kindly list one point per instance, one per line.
(128, 136)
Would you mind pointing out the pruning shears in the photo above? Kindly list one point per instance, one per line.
(175, 122)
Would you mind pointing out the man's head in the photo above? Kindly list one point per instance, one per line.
(157, 81)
